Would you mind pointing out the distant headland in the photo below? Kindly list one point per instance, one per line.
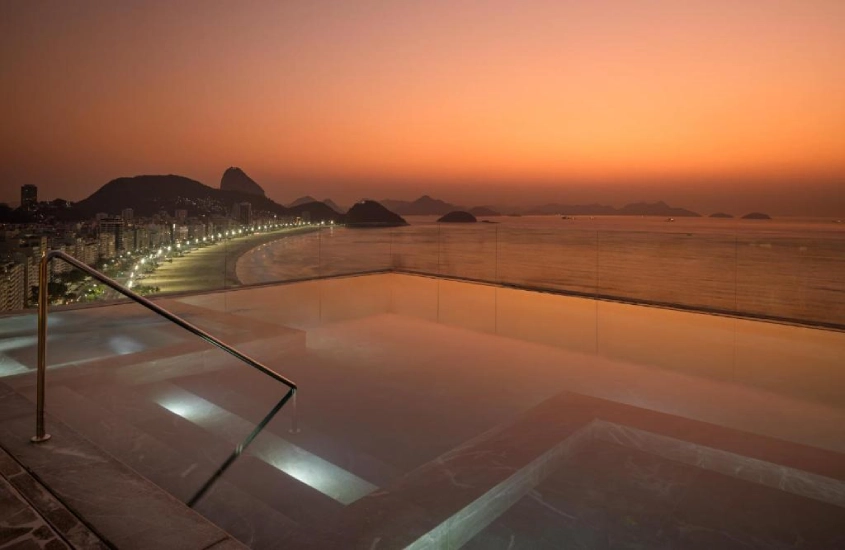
(149, 195)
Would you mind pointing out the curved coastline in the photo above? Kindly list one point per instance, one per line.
(213, 267)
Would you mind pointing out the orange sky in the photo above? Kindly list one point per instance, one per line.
(610, 100)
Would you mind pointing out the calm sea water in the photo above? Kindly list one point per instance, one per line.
(788, 268)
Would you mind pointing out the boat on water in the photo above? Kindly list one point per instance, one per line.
(670, 219)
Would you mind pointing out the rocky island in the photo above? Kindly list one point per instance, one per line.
(368, 213)
(458, 216)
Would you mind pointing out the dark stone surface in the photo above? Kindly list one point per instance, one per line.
(21, 526)
(126, 510)
(610, 496)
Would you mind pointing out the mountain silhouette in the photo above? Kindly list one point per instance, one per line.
(428, 206)
(423, 206)
(302, 200)
(234, 179)
(150, 194)
(756, 216)
(334, 206)
(572, 210)
(368, 213)
(656, 209)
(457, 216)
(483, 211)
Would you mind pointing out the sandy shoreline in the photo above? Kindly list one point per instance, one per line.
(212, 267)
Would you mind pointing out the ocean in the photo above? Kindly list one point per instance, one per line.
(790, 269)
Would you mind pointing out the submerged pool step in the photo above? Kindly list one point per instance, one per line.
(177, 474)
(316, 472)
(228, 505)
(250, 397)
(211, 444)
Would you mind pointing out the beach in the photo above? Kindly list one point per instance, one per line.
(212, 267)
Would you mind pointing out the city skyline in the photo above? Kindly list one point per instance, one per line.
(707, 105)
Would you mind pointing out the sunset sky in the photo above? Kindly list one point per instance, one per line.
(708, 104)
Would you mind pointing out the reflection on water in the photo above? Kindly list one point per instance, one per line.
(789, 270)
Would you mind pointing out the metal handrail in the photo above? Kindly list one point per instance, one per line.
(46, 257)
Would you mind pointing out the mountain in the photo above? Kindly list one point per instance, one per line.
(150, 194)
(368, 213)
(333, 205)
(302, 200)
(635, 209)
(756, 216)
(316, 211)
(572, 210)
(483, 211)
(428, 206)
(423, 206)
(323, 207)
(234, 179)
(656, 209)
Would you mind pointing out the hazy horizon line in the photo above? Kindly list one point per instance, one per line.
(732, 195)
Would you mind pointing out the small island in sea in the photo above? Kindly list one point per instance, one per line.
(457, 216)
(756, 216)
(369, 213)
(721, 215)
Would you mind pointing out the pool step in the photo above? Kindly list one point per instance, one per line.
(228, 388)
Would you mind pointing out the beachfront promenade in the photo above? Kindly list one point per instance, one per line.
(213, 267)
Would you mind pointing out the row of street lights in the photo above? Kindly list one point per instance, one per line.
(191, 244)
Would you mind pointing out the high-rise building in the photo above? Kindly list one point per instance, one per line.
(105, 246)
(242, 212)
(113, 226)
(29, 197)
(127, 214)
(12, 297)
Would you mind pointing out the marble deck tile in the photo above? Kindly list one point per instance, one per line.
(256, 524)
(781, 477)
(46, 505)
(59, 517)
(129, 514)
(723, 512)
(466, 523)
(178, 474)
(126, 510)
(436, 489)
(802, 457)
(603, 496)
(21, 526)
(472, 481)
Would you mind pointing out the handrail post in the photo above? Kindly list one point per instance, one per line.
(43, 281)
